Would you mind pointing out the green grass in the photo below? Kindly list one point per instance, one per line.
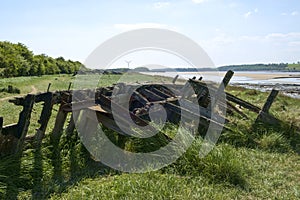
(249, 162)
(294, 66)
(272, 176)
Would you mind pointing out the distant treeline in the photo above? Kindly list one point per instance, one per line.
(256, 67)
(18, 60)
(246, 67)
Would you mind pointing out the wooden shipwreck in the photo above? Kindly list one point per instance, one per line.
(205, 96)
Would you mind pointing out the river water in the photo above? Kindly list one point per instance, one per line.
(287, 82)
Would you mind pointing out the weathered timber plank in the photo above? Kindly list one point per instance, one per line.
(270, 101)
(60, 118)
(233, 108)
(264, 115)
(222, 87)
(44, 117)
(175, 79)
(151, 95)
(160, 93)
(140, 98)
(242, 103)
(1, 124)
(71, 126)
(24, 121)
(192, 115)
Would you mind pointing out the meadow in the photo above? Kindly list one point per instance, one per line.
(250, 161)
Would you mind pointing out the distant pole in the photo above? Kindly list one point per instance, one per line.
(128, 62)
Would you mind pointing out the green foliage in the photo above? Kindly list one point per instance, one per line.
(10, 89)
(294, 66)
(18, 60)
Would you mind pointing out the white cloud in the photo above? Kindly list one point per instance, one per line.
(284, 14)
(159, 5)
(125, 27)
(286, 37)
(294, 13)
(256, 10)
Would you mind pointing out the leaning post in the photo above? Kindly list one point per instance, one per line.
(264, 112)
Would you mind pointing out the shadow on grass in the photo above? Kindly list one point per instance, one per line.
(11, 175)
(37, 174)
(49, 169)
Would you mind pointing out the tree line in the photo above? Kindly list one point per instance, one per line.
(18, 60)
(256, 67)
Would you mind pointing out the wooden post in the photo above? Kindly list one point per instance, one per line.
(49, 85)
(70, 84)
(71, 126)
(1, 124)
(175, 79)
(24, 121)
(264, 113)
(270, 101)
(222, 87)
(227, 78)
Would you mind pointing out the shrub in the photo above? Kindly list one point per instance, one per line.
(11, 89)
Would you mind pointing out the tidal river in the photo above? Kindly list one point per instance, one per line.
(287, 82)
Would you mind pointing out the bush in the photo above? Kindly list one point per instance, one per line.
(11, 89)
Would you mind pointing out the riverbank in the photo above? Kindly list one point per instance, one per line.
(288, 83)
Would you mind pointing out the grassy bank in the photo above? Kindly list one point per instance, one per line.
(295, 66)
(249, 162)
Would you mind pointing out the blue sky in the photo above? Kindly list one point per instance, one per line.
(230, 31)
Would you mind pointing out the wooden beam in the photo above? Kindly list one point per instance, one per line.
(1, 124)
(242, 103)
(175, 79)
(218, 94)
(44, 117)
(23, 123)
(264, 115)
(60, 119)
(270, 101)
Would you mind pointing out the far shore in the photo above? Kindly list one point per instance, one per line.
(254, 75)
